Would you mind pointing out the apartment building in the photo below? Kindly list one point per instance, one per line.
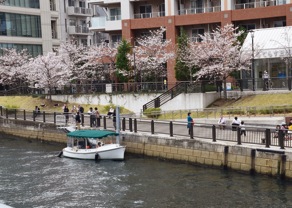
(132, 18)
(41, 25)
(30, 24)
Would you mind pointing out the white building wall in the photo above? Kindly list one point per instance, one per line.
(46, 26)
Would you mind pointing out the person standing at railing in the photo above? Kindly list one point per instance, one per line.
(235, 123)
(222, 123)
(66, 113)
(242, 128)
(97, 116)
(190, 122)
(77, 120)
(266, 78)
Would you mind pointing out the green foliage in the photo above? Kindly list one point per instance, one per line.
(152, 112)
(182, 71)
(122, 62)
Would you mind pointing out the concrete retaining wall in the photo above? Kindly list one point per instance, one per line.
(135, 102)
(249, 159)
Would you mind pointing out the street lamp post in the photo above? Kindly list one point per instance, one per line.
(252, 63)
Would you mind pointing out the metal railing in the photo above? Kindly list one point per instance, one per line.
(199, 10)
(274, 83)
(254, 135)
(258, 4)
(149, 15)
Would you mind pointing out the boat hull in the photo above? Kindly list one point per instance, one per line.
(105, 152)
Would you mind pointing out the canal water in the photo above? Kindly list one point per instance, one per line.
(31, 175)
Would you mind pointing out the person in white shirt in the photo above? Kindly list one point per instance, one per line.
(222, 123)
(235, 123)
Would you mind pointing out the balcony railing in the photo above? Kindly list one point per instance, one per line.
(78, 30)
(199, 10)
(259, 4)
(114, 18)
(79, 11)
(149, 15)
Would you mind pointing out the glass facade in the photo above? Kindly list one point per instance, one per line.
(23, 3)
(33, 50)
(20, 25)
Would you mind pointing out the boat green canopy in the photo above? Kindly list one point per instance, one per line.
(96, 134)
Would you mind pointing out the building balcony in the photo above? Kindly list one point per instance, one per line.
(79, 11)
(79, 30)
(258, 4)
(199, 10)
(106, 24)
(103, 2)
(149, 15)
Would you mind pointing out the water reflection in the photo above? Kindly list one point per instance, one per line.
(33, 176)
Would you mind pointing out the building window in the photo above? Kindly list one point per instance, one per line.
(20, 25)
(33, 50)
(146, 11)
(281, 23)
(196, 33)
(23, 3)
(162, 10)
(71, 3)
(116, 39)
(115, 14)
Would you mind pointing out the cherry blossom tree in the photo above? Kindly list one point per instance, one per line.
(152, 53)
(11, 67)
(103, 58)
(48, 71)
(218, 54)
(73, 56)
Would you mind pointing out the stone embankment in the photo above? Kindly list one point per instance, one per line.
(246, 158)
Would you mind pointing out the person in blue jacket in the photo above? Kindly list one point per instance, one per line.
(190, 122)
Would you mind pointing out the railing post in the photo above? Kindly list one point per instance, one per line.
(55, 118)
(130, 125)
(24, 115)
(152, 127)
(124, 124)
(281, 135)
(6, 113)
(214, 133)
(135, 125)
(268, 138)
(104, 121)
(238, 136)
(44, 116)
(1, 108)
(171, 129)
(15, 114)
(34, 115)
(82, 119)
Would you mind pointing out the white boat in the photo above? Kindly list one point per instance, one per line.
(87, 144)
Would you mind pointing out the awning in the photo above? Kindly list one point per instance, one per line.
(95, 134)
(270, 42)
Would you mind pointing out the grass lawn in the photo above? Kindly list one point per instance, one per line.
(29, 102)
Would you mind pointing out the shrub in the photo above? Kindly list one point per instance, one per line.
(152, 112)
